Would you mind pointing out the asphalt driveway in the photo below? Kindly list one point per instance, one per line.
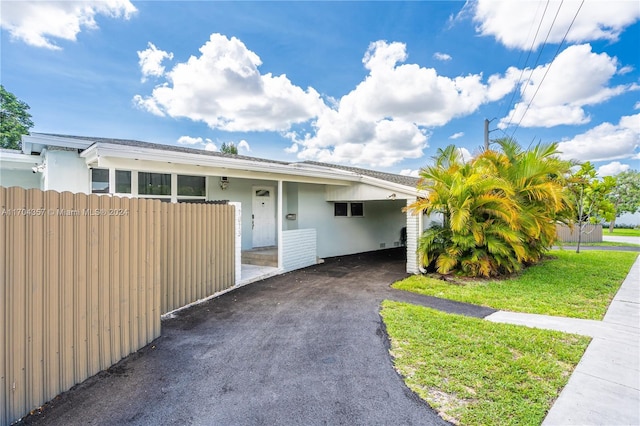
(304, 348)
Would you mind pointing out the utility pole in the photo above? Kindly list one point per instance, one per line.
(486, 134)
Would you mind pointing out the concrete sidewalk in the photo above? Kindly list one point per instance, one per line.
(618, 239)
(604, 389)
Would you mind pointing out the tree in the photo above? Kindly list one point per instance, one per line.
(15, 121)
(590, 197)
(499, 209)
(625, 196)
(229, 148)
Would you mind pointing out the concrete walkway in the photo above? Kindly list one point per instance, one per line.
(604, 389)
(618, 239)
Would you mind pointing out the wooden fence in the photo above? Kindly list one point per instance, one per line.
(85, 278)
(590, 233)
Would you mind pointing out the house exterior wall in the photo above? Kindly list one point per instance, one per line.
(66, 171)
(23, 178)
(379, 228)
(290, 203)
(240, 191)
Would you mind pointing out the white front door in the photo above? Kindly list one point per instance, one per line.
(264, 216)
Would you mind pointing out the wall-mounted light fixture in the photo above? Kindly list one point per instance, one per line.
(392, 196)
(224, 182)
(39, 168)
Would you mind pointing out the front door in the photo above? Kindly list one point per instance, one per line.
(264, 216)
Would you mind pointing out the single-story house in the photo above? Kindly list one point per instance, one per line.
(291, 213)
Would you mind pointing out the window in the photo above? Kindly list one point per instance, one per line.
(100, 181)
(191, 186)
(348, 209)
(154, 183)
(357, 209)
(340, 209)
(262, 193)
(123, 182)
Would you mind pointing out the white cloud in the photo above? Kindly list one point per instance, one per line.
(410, 172)
(612, 169)
(605, 142)
(244, 146)
(442, 56)
(637, 105)
(577, 78)
(292, 149)
(382, 121)
(385, 118)
(224, 88)
(198, 142)
(456, 135)
(465, 154)
(514, 23)
(150, 61)
(38, 22)
(625, 70)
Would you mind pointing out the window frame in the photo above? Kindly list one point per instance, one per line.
(348, 208)
(107, 190)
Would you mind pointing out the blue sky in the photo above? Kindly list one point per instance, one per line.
(379, 85)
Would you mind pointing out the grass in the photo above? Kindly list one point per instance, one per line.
(602, 244)
(578, 285)
(622, 232)
(475, 372)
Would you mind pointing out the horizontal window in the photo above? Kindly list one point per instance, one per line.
(191, 186)
(154, 183)
(348, 209)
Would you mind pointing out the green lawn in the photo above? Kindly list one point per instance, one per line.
(620, 232)
(474, 372)
(602, 244)
(579, 285)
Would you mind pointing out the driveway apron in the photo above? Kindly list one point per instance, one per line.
(304, 348)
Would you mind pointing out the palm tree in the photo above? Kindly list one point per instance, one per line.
(499, 210)
(475, 237)
(538, 179)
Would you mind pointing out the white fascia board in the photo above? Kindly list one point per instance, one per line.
(36, 142)
(18, 161)
(392, 186)
(99, 150)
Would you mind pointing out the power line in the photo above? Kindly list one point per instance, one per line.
(544, 43)
(526, 61)
(549, 67)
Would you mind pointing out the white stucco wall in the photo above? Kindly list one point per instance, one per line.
(240, 191)
(338, 236)
(22, 178)
(66, 171)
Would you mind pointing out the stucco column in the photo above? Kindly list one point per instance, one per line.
(279, 225)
